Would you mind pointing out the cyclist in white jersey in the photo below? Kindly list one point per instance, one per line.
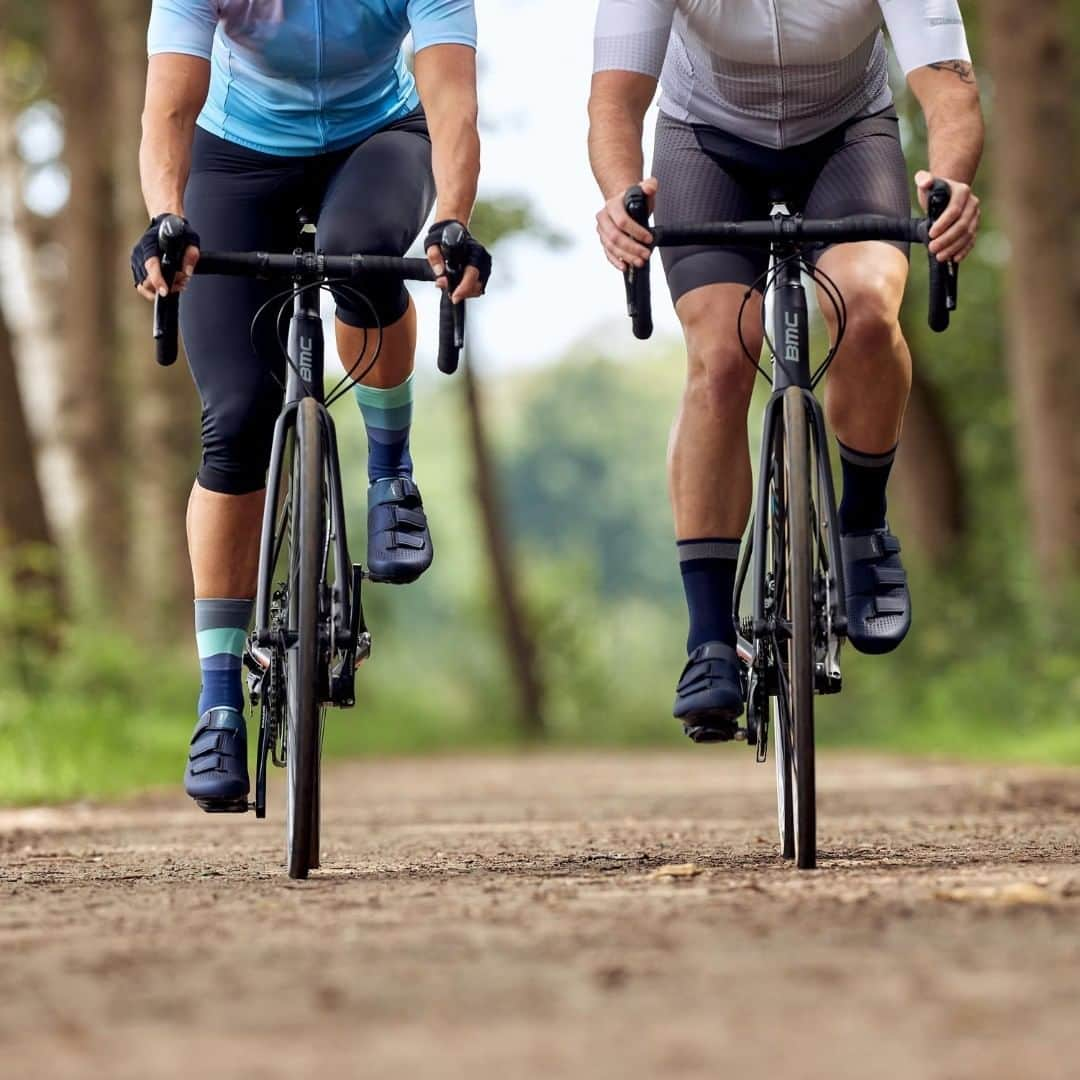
(763, 99)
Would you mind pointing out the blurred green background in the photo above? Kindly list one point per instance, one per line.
(99, 678)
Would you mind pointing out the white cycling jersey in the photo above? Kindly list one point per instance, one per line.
(775, 72)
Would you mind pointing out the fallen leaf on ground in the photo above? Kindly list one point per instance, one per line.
(678, 870)
(1015, 894)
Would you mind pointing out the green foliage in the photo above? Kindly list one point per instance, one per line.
(582, 448)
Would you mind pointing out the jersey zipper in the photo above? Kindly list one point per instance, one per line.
(320, 119)
(780, 70)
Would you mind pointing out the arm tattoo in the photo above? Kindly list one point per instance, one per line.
(960, 68)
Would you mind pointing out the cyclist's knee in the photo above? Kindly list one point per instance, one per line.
(384, 301)
(873, 326)
(873, 312)
(237, 433)
(719, 376)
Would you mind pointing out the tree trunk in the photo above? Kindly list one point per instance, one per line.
(1035, 158)
(927, 480)
(91, 408)
(517, 637)
(164, 421)
(26, 539)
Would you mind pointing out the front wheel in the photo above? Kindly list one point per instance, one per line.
(302, 658)
(797, 687)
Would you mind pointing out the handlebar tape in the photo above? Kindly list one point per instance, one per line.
(451, 315)
(638, 287)
(942, 275)
(167, 308)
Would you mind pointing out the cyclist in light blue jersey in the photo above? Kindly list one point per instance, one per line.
(298, 78)
(255, 108)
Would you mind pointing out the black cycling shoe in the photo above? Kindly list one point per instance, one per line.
(709, 697)
(217, 773)
(399, 543)
(878, 601)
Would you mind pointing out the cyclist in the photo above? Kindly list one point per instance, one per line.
(787, 99)
(255, 108)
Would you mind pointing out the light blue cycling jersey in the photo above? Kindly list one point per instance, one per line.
(301, 77)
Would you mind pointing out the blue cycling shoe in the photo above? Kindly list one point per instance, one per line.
(709, 697)
(878, 601)
(217, 773)
(399, 542)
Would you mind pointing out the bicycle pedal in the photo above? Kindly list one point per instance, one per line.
(713, 731)
(218, 806)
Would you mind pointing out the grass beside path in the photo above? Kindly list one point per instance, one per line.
(123, 723)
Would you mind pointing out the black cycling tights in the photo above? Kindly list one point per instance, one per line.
(373, 198)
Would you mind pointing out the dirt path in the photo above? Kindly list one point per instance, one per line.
(493, 917)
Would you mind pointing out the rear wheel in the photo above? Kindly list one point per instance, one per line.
(798, 614)
(303, 656)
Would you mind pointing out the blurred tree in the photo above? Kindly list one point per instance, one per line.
(1034, 149)
(26, 540)
(928, 483)
(92, 405)
(164, 406)
(493, 221)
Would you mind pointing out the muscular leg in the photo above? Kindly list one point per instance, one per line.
(865, 399)
(868, 384)
(396, 358)
(223, 541)
(708, 456)
(376, 203)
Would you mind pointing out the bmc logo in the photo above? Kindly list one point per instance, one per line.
(307, 349)
(791, 337)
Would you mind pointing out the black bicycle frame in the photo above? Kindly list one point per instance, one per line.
(791, 368)
(304, 378)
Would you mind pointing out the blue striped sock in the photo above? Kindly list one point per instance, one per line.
(221, 634)
(388, 418)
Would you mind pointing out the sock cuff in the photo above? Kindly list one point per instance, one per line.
(215, 613)
(708, 548)
(867, 461)
(385, 397)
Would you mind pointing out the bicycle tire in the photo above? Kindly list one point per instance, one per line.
(778, 708)
(302, 658)
(799, 615)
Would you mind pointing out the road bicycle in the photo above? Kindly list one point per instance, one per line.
(789, 646)
(309, 632)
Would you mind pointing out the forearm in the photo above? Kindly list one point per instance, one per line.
(954, 122)
(455, 162)
(615, 136)
(165, 161)
(446, 81)
(955, 141)
(176, 88)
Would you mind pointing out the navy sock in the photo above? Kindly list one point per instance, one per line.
(388, 419)
(863, 505)
(708, 569)
(221, 633)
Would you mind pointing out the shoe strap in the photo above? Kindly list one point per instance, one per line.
(393, 491)
(713, 650)
(860, 547)
(221, 718)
